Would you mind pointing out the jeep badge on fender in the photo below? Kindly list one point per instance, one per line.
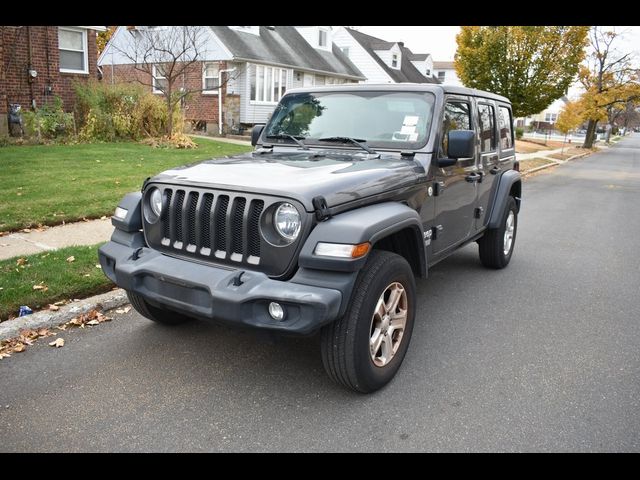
(351, 193)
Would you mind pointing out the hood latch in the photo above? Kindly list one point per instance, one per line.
(322, 209)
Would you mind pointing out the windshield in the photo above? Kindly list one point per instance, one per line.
(381, 119)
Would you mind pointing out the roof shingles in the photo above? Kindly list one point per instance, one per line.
(285, 46)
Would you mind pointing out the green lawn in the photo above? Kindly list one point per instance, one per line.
(57, 279)
(49, 184)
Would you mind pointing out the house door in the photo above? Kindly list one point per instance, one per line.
(307, 80)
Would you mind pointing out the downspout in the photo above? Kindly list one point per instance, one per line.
(220, 98)
(30, 68)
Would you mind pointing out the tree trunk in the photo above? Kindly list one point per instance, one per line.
(169, 111)
(591, 134)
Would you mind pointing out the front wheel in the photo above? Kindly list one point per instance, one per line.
(364, 349)
(496, 245)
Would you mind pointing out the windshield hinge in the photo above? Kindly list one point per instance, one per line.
(265, 148)
(322, 209)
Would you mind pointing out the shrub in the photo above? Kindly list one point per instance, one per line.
(519, 132)
(120, 112)
(49, 121)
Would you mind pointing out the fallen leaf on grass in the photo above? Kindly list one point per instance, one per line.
(21, 261)
(71, 259)
(58, 342)
(42, 287)
(98, 266)
(87, 275)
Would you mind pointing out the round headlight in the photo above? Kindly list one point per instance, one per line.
(155, 201)
(287, 221)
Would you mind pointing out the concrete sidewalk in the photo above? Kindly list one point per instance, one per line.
(78, 233)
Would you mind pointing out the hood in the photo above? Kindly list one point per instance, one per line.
(340, 176)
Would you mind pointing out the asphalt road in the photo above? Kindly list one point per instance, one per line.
(542, 356)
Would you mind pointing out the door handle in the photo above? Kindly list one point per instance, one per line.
(495, 170)
(474, 177)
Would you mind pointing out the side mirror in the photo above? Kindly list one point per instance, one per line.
(255, 134)
(461, 144)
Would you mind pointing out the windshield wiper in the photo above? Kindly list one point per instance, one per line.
(355, 141)
(298, 140)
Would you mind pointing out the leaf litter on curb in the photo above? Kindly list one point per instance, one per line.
(28, 337)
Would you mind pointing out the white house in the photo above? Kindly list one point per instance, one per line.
(446, 73)
(259, 64)
(381, 61)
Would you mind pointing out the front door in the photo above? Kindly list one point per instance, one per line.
(456, 186)
(307, 80)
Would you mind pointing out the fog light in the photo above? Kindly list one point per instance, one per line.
(276, 311)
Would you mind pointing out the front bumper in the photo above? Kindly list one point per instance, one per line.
(209, 292)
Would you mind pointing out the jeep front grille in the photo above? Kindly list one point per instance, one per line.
(222, 226)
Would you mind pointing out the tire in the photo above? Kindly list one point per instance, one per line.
(493, 243)
(158, 315)
(345, 343)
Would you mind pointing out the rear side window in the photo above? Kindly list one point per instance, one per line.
(487, 120)
(505, 127)
(457, 116)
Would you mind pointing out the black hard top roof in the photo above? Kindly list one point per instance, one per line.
(427, 87)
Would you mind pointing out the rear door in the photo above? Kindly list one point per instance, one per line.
(488, 164)
(456, 190)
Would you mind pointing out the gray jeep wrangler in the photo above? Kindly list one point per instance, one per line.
(351, 193)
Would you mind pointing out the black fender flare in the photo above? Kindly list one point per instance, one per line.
(132, 222)
(367, 224)
(507, 180)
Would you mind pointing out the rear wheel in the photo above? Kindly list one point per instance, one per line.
(496, 245)
(364, 349)
(158, 315)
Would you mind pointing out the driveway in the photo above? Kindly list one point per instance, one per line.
(542, 356)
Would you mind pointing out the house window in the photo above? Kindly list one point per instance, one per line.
(394, 60)
(550, 117)
(441, 76)
(268, 84)
(72, 43)
(210, 78)
(159, 80)
(345, 50)
(428, 73)
(322, 38)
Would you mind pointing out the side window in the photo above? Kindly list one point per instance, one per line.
(505, 126)
(487, 121)
(457, 116)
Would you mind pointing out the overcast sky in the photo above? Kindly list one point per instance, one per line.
(440, 42)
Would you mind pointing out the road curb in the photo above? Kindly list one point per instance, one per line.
(49, 319)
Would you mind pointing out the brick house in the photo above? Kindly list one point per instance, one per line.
(253, 65)
(39, 62)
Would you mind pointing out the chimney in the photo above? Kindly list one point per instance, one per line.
(401, 44)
